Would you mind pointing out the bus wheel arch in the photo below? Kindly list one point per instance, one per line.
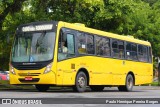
(129, 82)
(86, 72)
(83, 75)
(131, 73)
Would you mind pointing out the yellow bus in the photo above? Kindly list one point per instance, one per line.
(58, 53)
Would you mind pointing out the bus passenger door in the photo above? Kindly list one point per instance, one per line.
(118, 67)
(66, 51)
(102, 65)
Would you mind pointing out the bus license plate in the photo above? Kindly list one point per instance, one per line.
(28, 78)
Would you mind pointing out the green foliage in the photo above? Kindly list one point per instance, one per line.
(140, 18)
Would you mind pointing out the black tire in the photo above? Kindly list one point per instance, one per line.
(0, 78)
(80, 82)
(121, 88)
(42, 88)
(128, 85)
(96, 88)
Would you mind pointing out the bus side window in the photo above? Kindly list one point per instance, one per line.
(81, 43)
(70, 45)
(115, 48)
(118, 49)
(90, 44)
(62, 46)
(131, 51)
(106, 47)
(142, 53)
(66, 48)
(98, 43)
(150, 54)
(134, 51)
(102, 46)
(121, 49)
(128, 51)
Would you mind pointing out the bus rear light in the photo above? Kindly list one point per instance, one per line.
(12, 70)
(48, 68)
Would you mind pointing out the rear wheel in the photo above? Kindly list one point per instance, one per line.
(0, 78)
(81, 82)
(96, 88)
(128, 85)
(42, 88)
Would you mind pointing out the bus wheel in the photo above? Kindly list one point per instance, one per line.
(42, 88)
(128, 85)
(96, 88)
(81, 82)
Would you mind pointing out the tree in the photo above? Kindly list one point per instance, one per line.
(9, 6)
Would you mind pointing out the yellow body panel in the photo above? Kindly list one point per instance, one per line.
(105, 71)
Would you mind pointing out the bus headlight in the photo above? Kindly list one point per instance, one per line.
(48, 68)
(12, 70)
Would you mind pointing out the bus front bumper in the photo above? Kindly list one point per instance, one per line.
(49, 78)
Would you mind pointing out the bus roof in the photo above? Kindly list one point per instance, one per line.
(81, 27)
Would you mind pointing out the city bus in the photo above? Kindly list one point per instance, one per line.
(58, 53)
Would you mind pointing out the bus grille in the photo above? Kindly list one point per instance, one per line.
(29, 67)
(29, 74)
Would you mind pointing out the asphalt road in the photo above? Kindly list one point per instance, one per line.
(138, 92)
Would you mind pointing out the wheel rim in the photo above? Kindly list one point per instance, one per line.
(81, 82)
(130, 83)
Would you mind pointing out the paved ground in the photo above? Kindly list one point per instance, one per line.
(138, 92)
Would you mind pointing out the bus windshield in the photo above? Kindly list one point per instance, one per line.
(33, 47)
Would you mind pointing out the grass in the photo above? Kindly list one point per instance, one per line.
(155, 83)
(152, 84)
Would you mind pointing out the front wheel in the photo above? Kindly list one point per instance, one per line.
(42, 88)
(128, 85)
(80, 82)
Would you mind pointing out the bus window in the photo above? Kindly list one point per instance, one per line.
(142, 53)
(121, 49)
(150, 54)
(66, 46)
(62, 43)
(115, 48)
(90, 44)
(134, 52)
(70, 45)
(106, 47)
(128, 50)
(131, 51)
(81, 43)
(102, 46)
(98, 43)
